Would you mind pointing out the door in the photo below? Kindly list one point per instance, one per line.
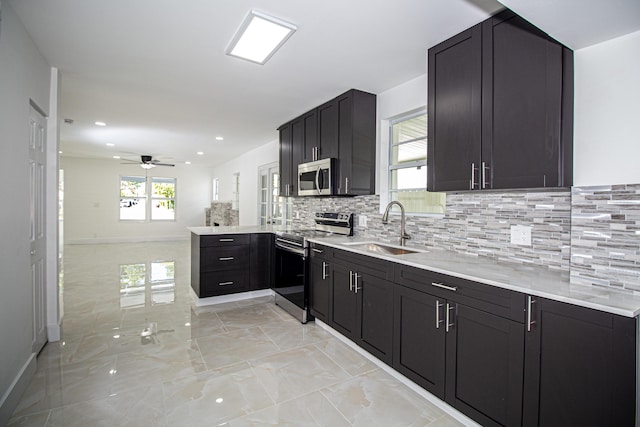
(344, 301)
(376, 318)
(419, 338)
(37, 240)
(580, 367)
(485, 366)
(319, 287)
(270, 209)
(454, 112)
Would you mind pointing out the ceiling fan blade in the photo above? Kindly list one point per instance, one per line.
(163, 164)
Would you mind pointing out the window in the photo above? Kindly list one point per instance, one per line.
(216, 189)
(142, 198)
(408, 165)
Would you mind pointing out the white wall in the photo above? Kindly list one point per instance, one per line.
(24, 75)
(399, 100)
(247, 165)
(91, 201)
(607, 112)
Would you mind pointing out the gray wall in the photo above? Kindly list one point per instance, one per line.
(24, 76)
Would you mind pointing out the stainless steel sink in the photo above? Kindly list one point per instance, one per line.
(381, 248)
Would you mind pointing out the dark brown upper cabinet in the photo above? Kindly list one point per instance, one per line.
(500, 109)
(343, 128)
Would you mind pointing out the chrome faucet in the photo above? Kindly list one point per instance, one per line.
(385, 220)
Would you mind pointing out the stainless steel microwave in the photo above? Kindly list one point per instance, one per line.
(315, 178)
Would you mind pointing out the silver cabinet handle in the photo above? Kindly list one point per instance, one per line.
(530, 321)
(356, 277)
(447, 323)
(225, 258)
(226, 240)
(318, 251)
(324, 270)
(484, 175)
(225, 283)
(472, 184)
(350, 281)
(438, 321)
(346, 186)
(443, 286)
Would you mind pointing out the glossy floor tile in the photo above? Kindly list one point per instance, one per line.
(137, 351)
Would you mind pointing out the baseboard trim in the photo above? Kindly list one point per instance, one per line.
(450, 410)
(132, 239)
(11, 398)
(201, 302)
(54, 332)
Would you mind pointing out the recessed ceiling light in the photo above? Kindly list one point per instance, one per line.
(110, 144)
(219, 138)
(59, 152)
(116, 157)
(259, 37)
(200, 153)
(187, 163)
(100, 123)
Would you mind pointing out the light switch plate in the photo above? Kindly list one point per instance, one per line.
(362, 221)
(521, 235)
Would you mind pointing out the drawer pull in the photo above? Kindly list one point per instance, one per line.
(443, 286)
(226, 240)
(318, 251)
(225, 283)
(324, 270)
(225, 258)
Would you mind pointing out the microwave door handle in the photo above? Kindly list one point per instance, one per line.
(318, 181)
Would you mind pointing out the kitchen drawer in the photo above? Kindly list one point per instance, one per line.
(372, 266)
(225, 240)
(224, 282)
(498, 301)
(224, 258)
(320, 251)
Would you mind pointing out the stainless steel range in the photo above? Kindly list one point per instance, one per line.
(292, 247)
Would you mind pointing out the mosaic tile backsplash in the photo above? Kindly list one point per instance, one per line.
(605, 236)
(474, 223)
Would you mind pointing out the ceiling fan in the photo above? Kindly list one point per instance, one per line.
(147, 162)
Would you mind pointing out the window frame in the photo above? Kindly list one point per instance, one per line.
(148, 198)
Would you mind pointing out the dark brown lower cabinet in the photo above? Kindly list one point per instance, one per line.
(361, 302)
(470, 358)
(580, 367)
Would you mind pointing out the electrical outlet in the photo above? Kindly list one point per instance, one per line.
(362, 221)
(521, 235)
(297, 214)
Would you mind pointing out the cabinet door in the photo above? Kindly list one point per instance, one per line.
(485, 365)
(580, 367)
(285, 153)
(522, 97)
(319, 277)
(328, 129)
(262, 261)
(454, 112)
(310, 137)
(419, 339)
(343, 301)
(376, 318)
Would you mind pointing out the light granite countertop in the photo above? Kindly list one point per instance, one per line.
(244, 229)
(528, 279)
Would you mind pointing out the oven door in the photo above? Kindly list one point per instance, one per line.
(291, 286)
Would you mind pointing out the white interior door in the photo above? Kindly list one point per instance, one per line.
(37, 161)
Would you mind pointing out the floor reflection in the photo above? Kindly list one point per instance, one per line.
(136, 350)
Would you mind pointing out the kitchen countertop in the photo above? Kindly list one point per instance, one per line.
(528, 279)
(234, 229)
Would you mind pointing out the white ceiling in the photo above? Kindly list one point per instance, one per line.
(155, 70)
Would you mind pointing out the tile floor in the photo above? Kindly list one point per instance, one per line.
(136, 351)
